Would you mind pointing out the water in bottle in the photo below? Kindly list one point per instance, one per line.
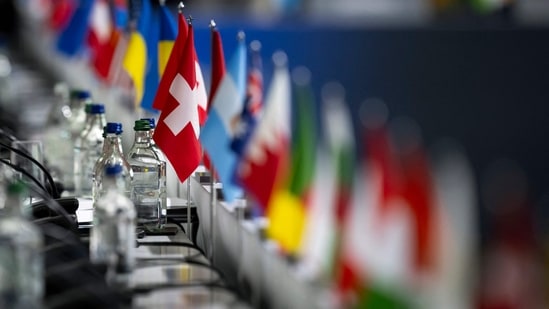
(112, 238)
(21, 261)
(162, 158)
(148, 191)
(65, 120)
(87, 151)
(112, 155)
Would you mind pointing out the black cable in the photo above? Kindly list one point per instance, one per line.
(24, 172)
(144, 289)
(173, 221)
(55, 193)
(171, 244)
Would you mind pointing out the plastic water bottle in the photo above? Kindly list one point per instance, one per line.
(112, 155)
(78, 101)
(87, 151)
(162, 158)
(112, 238)
(21, 262)
(148, 188)
(66, 118)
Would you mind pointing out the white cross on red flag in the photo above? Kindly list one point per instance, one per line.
(178, 127)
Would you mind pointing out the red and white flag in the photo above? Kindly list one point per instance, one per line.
(178, 127)
(265, 160)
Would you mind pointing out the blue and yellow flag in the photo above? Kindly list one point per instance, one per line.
(160, 40)
(168, 33)
(135, 60)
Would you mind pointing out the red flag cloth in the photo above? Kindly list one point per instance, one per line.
(266, 159)
(178, 127)
(419, 193)
(218, 64)
(60, 14)
(172, 66)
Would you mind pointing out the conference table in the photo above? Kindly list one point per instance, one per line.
(171, 272)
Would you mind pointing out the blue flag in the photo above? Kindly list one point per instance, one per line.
(72, 38)
(217, 133)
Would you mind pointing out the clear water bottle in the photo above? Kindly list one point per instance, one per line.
(148, 187)
(112, 155)
(87, 151)
(66, 118)
(162, 158)
(157, 150)
(21, 262)
(112, 238)
(77, 104)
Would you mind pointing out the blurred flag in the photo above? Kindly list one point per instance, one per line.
(106, 39)
(121, 14)
(172, 65)
(454, 284)
(286, 211)
(218, 71)
(255, 81)
(152, 38)
(61, 12)
(218, 130)
(160, 41)
(420, 197)
(71, 39)
(168, 33)
(218, 64)
(265, 161)
(201, 94)
(375, 263)
(252, 103)
(135, 60)
(100, 26)
(178, 126)
(330, 198)
(320, 224)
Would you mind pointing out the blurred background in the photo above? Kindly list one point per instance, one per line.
(473, 71)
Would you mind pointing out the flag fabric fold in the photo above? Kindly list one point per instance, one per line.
(218, 130)
(287, 207)
(168, 33)
(178, 128)
(218, 71)
(152, 37)
(265, 160)
(135, 60)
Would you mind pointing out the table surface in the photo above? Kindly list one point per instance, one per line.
(165, 266)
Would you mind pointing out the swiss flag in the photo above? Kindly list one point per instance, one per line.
(178, 127)
(173, 64)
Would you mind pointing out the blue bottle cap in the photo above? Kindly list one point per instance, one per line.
(80, 94)
(113, 127)
(151, 120)
(113, 170)
(97, 109)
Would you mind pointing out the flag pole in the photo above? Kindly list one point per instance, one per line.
(213, 214)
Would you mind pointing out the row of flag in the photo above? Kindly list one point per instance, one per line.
(388, 228)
